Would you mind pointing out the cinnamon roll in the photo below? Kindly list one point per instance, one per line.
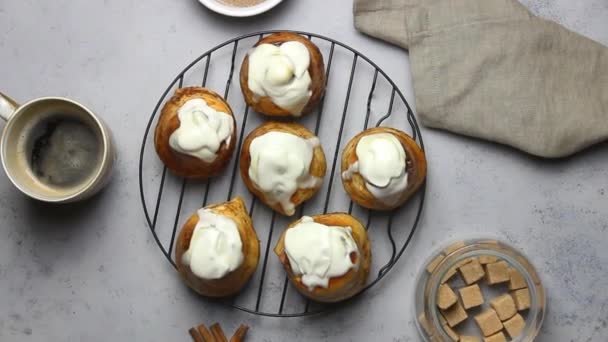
(327, 257)
(196, 133)
(283, 75)
(282, 164)
(382, 168)
(218, 250)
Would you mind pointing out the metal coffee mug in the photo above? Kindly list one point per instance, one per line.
(16, 147)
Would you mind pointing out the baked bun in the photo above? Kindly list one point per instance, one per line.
(277, 70)
(201, 143)
(218, 271)
(287, 167)
(346, 234)
(390, 179)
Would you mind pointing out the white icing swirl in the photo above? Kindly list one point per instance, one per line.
(215, 248)
(318, 252)
(201, 130)
(381, 163)
(280, 165)
(281, 72)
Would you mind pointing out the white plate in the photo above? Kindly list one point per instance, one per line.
(234, 11)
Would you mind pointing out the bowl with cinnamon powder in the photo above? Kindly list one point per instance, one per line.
(240, 8)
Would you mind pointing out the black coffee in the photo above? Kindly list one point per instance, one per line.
(65, 152)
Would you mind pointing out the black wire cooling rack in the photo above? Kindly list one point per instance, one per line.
(368, 93)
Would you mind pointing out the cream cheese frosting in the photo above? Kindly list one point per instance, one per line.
(280, 165)
(318, 252)
(215, 248)
(281, 72)
(201, 131)
(381, 162)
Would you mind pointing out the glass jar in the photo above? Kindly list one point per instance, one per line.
(443, 263)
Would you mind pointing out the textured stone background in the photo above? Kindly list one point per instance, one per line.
(92, 272)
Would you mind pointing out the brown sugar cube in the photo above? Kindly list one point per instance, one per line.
(500, 337)
(516, 280)
(488, 322)
(451, 333)
(471, 272)
(521, 298)
(471, 296)
(453, 247)
(487, 259)
(433, 264)
(498, 272)
(515, 325)
(463, 262)
(448, 275)
(469, 339)
(504, 306)
(446, 297)
(424, 323)
(455, 314)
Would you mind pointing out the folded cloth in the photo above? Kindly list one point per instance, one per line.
(492, 70)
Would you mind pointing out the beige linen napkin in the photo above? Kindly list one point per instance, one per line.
(492, 70)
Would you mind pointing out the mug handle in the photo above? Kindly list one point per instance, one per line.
(8, 107)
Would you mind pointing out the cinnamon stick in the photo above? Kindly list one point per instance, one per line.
(239, 334)
(207, 336)
(196, 336)
(218, 333)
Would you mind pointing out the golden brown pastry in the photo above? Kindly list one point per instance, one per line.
(196, 133)
(217, 250)
(282, 164)
(382, 168)
(327, 257)
(283, 75)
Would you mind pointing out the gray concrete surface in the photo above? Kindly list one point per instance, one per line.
(92, 272)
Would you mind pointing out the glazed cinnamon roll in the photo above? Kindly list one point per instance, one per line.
(217, 250)
(196, 133)
(283, 75)
(382, 168)
(283, 165)
(327, 257)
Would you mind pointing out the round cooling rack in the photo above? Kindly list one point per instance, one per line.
(358, 94)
